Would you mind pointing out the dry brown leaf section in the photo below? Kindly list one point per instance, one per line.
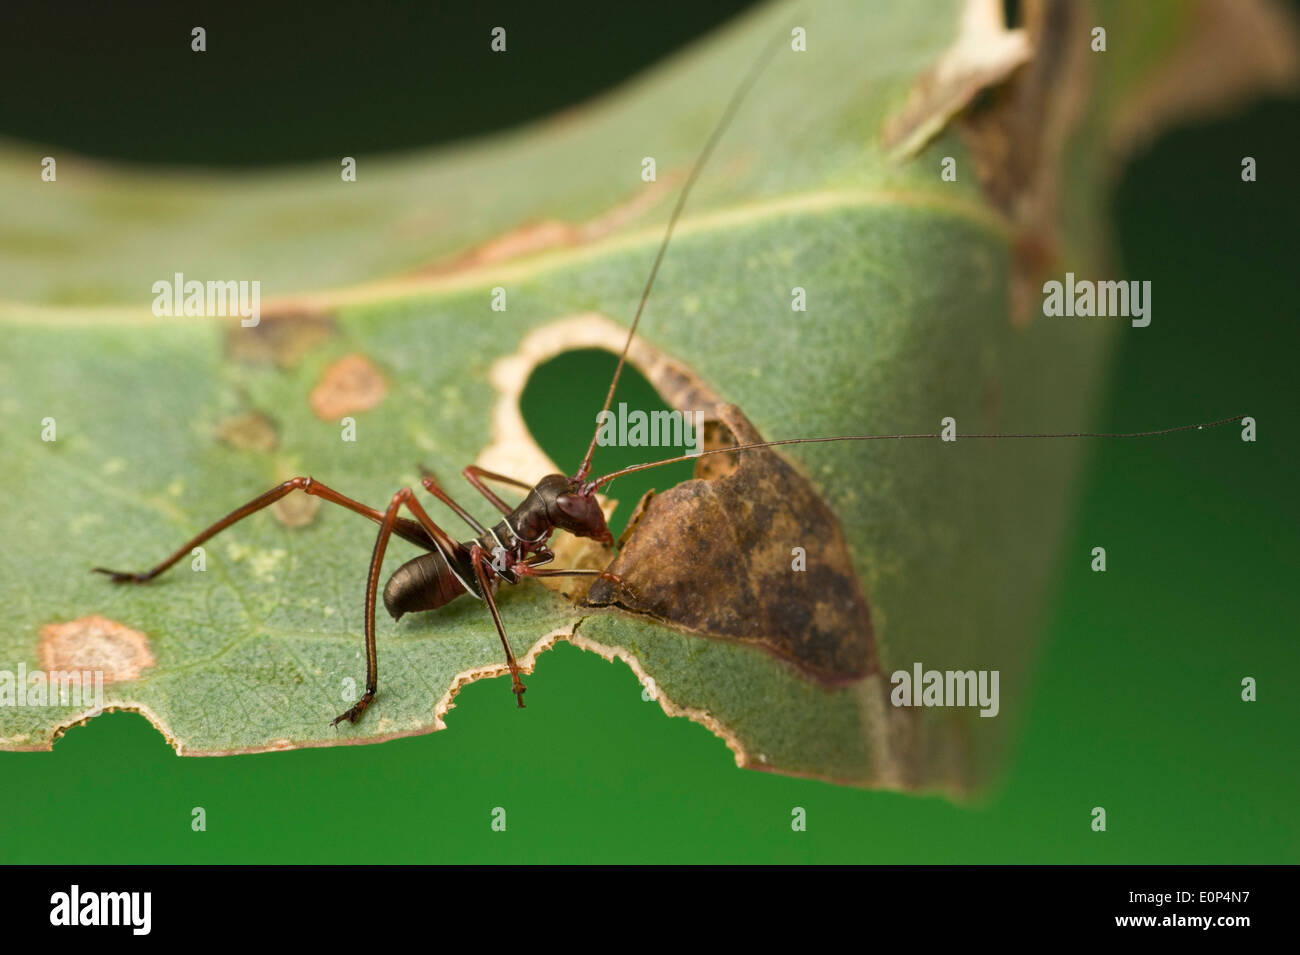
(717, 557)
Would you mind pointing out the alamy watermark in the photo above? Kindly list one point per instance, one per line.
(195, 298)
(1085, 298)
(83, 689)
(921, 687)
(131, 910)
(655, 429)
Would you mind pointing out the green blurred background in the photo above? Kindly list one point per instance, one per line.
(1137, 701)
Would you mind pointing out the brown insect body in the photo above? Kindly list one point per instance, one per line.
(513, 548)
(433, 580)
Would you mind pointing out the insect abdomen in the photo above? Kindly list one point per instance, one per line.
(424, 583)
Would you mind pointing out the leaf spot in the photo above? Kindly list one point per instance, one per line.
(282, 339)
(98, 644)
(532, 238)
(349, 385)
(251, 431)
(296, 510)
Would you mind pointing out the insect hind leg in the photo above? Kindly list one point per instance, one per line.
(404, 528)
(387, 527)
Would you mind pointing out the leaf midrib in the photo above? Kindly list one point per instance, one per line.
(397, 289)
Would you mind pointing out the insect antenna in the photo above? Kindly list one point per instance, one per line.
(733, 105)
(728, 113)
(605, 479)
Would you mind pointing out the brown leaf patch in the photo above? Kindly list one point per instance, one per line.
(296, 510)
(251, 431)
(533, 237)
(715, 556)
(95, 643)
(280, 339)
(349, 385)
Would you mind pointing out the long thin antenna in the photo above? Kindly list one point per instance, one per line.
(727, 114)
(601, 481)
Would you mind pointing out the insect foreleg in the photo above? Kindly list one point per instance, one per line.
(478, 556)
(543, 555)
(403, 528)
(531, 570)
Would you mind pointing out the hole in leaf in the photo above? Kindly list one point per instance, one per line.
(559, 405)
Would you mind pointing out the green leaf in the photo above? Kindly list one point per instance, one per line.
(163, 425)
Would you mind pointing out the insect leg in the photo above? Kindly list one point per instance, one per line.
(402, 527)
(531, 570)
(544, 555)
(386, 529)
(528, 570)
(477, 555)
(475, 475)
(433, 487)
(372, 588)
